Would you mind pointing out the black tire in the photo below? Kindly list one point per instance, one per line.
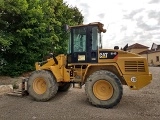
(107, 96)
(63, 87)
(42, 85)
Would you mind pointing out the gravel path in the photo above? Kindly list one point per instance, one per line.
(135, 105)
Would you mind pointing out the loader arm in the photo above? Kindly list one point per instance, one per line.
(56, 66)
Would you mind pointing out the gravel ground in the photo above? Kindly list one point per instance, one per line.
(135, 105)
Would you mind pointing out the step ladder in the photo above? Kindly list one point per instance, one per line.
(77, 85)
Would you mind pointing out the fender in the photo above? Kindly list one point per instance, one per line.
(100, 66)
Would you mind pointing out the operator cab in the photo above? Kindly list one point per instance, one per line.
(84, 42)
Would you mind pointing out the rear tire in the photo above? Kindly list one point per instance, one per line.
(104, 89)
(63, 87)
(42, 85)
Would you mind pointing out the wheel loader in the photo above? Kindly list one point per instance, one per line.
(103, 72)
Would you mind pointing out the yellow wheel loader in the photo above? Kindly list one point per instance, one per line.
(102, 71)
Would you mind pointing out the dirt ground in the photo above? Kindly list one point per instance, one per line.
(135, 105)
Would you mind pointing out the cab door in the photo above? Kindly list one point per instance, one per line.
(92, 44)
(79, 51)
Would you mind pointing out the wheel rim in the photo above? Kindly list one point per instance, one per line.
(103, 90)
(39, 85)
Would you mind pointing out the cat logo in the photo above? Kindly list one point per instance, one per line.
(103, 55)
(108, 55)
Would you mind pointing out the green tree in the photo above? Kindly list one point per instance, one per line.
(29, 29)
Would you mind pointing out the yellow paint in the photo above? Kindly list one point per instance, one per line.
(39, 86)
(125, 66)
(103, 90)
(142, 80)
(59, 71)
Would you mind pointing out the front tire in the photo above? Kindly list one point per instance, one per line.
(42, 85)
(104, 89)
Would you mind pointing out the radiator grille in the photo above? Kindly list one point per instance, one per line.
(134, 66)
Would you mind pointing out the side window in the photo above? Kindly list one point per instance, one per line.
(79, 42)
(157, 58)
(99, 40)
(94, 38)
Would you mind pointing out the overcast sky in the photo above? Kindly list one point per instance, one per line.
(126, 21)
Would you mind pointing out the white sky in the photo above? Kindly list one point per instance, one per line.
(128, 21)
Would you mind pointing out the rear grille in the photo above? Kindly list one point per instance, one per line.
(134, 66)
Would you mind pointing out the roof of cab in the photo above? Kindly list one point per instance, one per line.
(99, 24)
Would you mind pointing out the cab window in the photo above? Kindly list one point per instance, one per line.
(79, 40)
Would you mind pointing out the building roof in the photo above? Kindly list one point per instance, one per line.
(148, 52)
(137, 46)
(145, 52)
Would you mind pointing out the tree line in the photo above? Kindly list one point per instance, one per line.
(29, 29)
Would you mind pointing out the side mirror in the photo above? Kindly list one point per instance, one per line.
(66, 27)
(104, 30)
